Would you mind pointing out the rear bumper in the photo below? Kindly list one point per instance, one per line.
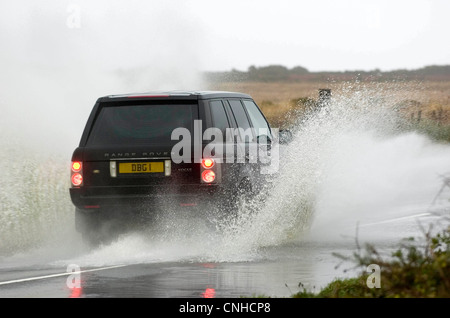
(96, 197)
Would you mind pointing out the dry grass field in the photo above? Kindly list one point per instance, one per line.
(418, 101)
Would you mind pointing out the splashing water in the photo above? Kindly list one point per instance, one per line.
(350, 161)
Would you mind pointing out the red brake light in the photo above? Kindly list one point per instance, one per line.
(207, 163)
(77, 179)
(208, 176)
(76, 166)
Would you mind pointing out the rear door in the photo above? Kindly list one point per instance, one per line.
(246, 136)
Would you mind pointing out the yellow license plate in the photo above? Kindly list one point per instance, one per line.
(141, 167)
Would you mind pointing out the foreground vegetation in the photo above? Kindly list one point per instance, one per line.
(418, 269)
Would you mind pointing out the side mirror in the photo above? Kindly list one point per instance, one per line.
(285, 136)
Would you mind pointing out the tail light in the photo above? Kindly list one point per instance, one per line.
(77, 174)
(210, 171)
(207, 163)
(76, 166)
(208, 176)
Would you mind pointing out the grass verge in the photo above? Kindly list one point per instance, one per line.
(418, 269)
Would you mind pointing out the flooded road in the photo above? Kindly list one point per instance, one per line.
(134, 266)
(276, 277)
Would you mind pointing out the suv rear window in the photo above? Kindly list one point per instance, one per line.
(139, 124)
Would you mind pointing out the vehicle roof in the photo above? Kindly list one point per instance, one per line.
(177, 94)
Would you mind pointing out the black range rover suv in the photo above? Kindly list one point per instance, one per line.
(139, 152)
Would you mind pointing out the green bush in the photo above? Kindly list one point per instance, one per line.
(418, 269)
(434, 130)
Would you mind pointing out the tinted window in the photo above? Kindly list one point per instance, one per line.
(241, 119)
(219, 116)
(257, 119)
(239, 114)
(139, 124)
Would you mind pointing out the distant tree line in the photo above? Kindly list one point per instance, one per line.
(277, 73)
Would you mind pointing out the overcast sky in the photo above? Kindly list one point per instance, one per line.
(329, 34)
(221, 35)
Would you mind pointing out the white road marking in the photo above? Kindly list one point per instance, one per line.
(58, 275)
(397, 219)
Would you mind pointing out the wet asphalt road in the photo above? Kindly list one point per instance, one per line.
(277, 272)
(275, 277)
